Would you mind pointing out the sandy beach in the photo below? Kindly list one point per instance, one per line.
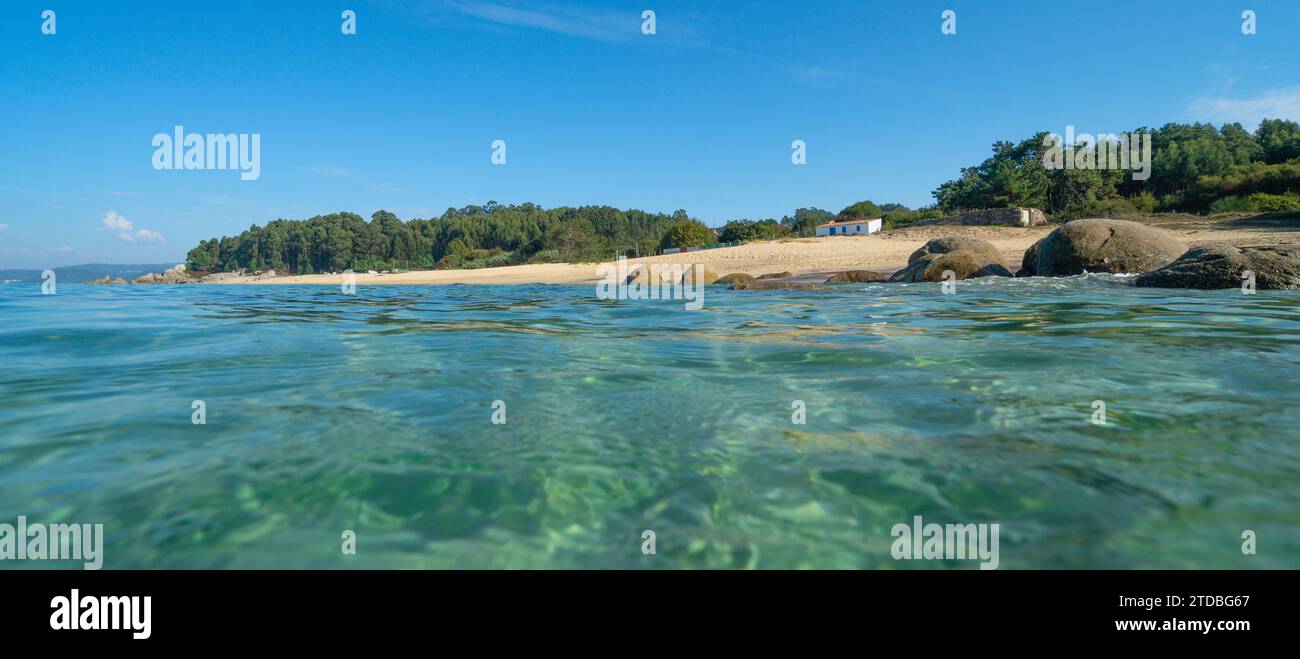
(811, 258)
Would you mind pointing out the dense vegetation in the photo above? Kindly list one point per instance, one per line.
(1194, 168)
(470, 237)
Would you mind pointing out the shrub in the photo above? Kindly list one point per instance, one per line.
(687, 233)
(1273, 203)
(1233, 204)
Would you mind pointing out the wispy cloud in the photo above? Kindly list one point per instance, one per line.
(384, 187)
(123, 228)
(328, 170)
(1283, 103)
(4, 227)
(121, 193)
(585, 22)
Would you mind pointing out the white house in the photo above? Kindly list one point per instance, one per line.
(850, 228)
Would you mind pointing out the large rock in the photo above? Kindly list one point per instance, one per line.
(1275, 267)
(1029, 262)
(855, 277)
(776, 275)
(954, 243)
(964, 264)
(1095, 245)
(965, 257)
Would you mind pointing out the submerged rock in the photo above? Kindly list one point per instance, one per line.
(856, 277)
(752, 284)
(1097, 245)
(1274, 266)
(734, 278)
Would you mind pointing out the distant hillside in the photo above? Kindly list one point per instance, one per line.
(80, 274)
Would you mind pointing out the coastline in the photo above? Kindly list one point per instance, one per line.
(811, 259)
(808, 259)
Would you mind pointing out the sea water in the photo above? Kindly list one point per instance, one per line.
(542, 427)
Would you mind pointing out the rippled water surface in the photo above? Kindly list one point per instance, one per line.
(373, 413)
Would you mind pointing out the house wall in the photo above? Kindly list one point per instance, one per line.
(864, 229)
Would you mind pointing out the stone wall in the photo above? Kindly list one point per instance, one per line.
(1014, 217)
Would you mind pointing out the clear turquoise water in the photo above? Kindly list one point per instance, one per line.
(373, 413)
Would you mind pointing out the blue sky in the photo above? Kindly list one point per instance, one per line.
(699, 116)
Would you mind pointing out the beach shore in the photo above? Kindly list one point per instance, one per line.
(811, 258)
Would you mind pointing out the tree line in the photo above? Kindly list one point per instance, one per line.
(469, 237)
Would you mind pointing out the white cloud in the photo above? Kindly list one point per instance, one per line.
(123, 227)
(115, 222)
(1282, 103)
(4, 227)
(63, 248)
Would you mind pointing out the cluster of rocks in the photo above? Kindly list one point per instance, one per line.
(177, 275)
(1159, 258)
(173, 275)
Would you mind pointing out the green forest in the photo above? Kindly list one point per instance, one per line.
(469, 237)
(1195, 168)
